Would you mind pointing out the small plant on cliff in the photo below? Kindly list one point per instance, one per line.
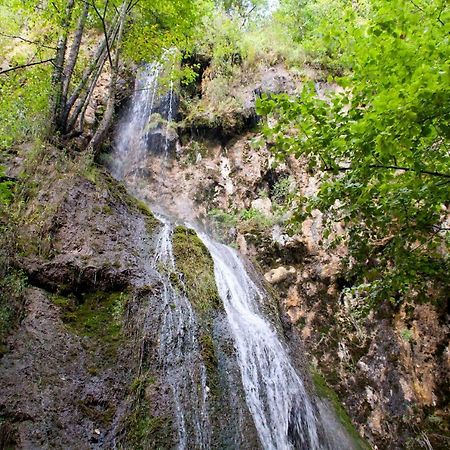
(5, 188)
(283, 189)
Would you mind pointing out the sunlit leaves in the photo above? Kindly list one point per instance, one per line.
(383, 145)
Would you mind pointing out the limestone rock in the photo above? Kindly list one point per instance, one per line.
(279, 274)
(263, 205)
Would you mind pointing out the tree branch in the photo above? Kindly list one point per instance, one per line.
(405, 169)
(28, 41)
(23, 66)
(105, 32)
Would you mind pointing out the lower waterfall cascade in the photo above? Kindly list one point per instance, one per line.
(284, 414)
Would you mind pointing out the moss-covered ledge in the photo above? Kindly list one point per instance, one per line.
(326, 393)
(197, 267)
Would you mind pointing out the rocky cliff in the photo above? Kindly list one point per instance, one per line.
(78, 367)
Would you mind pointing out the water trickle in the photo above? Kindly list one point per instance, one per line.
(179, 351)
(169, 120)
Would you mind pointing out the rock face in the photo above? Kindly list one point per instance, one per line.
(67, 367)
(49, 392)
(389, 367)
(280, 274)
(82, 369)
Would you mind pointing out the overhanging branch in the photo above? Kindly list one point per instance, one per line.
(23, 66)
(377, 166)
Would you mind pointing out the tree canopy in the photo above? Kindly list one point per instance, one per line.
(380, 144)
(54, 53)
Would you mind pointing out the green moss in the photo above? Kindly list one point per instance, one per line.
(151, 221)
(209, 357)
(196, 264)
(97, 316)
(145, 431)
(139, 383)
(59, 300)
(12, 285)
(325, 392)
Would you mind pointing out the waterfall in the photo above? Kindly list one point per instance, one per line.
(282, 412)
(130, 142)
(277, 399)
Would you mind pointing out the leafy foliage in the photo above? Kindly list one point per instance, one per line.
(5, 189)
(380, 142)
(34, 96)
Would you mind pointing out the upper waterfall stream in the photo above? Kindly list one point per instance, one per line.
(283, 413)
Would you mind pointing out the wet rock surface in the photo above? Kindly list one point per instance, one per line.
(49, 398)
(81, 370)
(67, 366)
(389, 368)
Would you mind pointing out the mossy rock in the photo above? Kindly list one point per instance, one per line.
(196, 264)
(145, 431)
(210, 360)
(151, 221)
(97, 316)
(325, 392)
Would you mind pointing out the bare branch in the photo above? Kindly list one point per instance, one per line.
(105, 33)
(23, 66)
(28, 41)
(405, 169)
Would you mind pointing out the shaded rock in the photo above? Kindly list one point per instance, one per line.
(45, 377)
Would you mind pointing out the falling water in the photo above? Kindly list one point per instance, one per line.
(169, 120)
(131, 144)
(283, 414)
(179, 351)
(277, 399)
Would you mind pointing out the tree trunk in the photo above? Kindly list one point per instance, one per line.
(58, 71)
(83, 102)
(96, 60)
(105, 124)
(70, 66)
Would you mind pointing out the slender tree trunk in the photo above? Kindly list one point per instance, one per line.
(89, 96)
(70, 66)
(96, 60)
(58, 71)
(105, 124)
(84, 99)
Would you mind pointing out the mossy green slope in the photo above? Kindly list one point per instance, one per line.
(196, 264)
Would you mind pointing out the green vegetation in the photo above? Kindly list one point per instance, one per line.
(209, 356)
(5, 188)
(246, 220)
(151, 220)
(282, 190)
(97, 315)
(238, 47)
(145, 431)
(406, 334)
(380, 144)
(196, 264)
(53, 53)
